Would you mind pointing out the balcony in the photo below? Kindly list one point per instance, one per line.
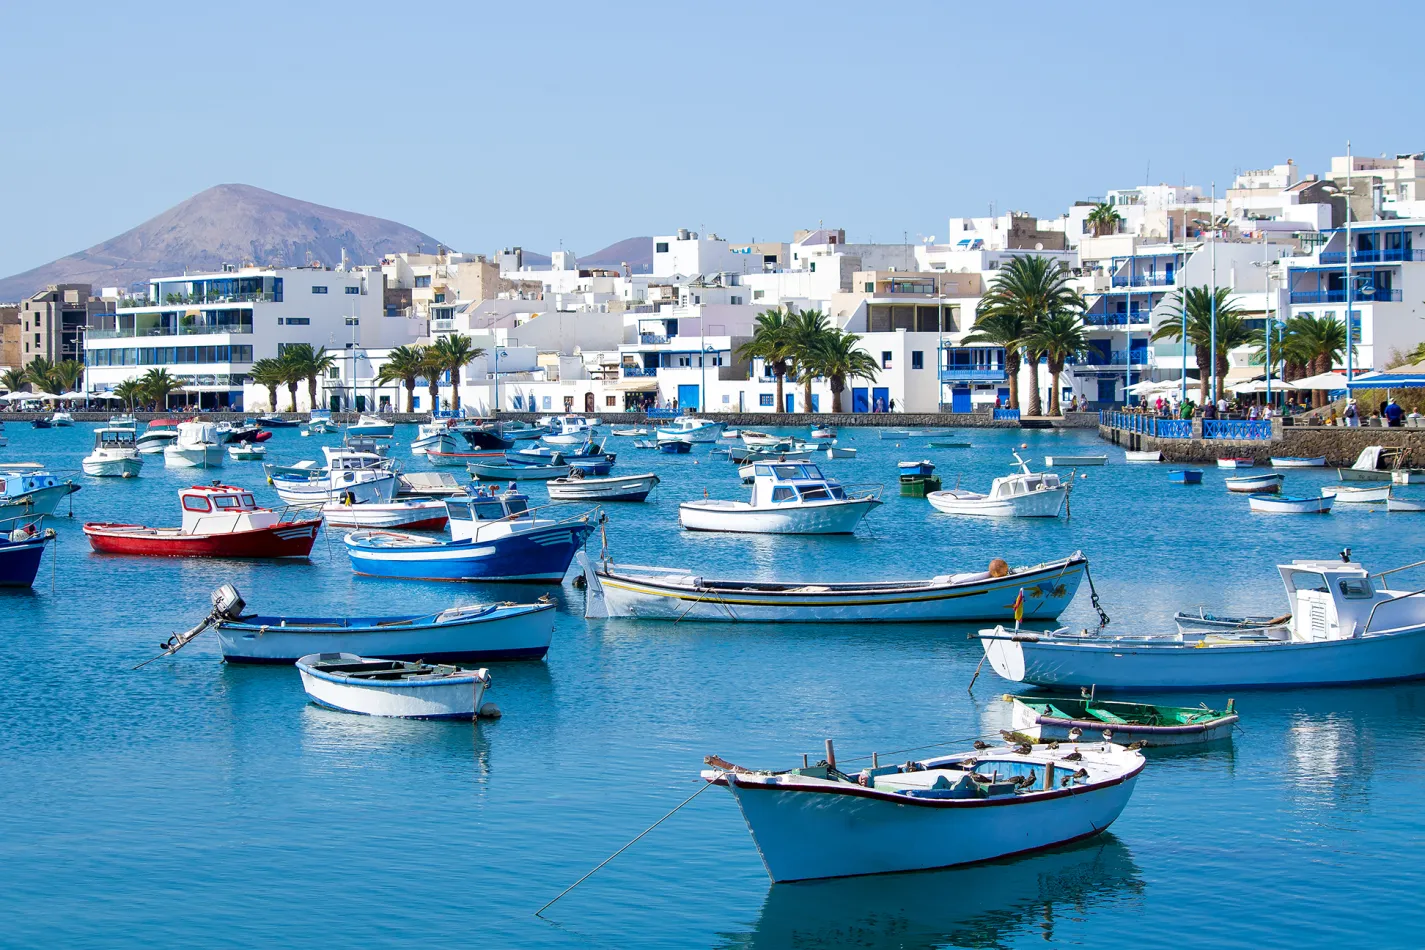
(1339, 296)
(652, 338)
(973, 374)
(1136, 318)
(633, 371)
(1142, 280)
(193, 300)
(1381, 255)
(442, 326)
(150, 332)
(1116, 358)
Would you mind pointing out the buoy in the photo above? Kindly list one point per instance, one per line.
(490, 711)
(1024, 445)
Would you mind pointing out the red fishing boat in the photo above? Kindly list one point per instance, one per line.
(218, 521)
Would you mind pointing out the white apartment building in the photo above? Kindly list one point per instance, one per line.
(208, 329)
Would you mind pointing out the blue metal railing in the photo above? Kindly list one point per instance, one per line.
(1006, 415)
(1339, 296)
(1172, 428)
(640, 371)
(662, 413)
(985, 374)
(1142, 280)
(1380, 255)
(1139, 317)
(1143, 424)
(1240, 429)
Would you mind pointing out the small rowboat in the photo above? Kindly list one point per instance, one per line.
(1045, 719)
(1236, 463)
(644, 444)
(1282, 505)
(1132, 456)
(1186, 476)
(1255, 484)
(394, 688)
(247, 452)
(1074, 461)
(1204, 622)
(504, 471)
(1318, 461)
(1373, 495)
(948, 445)
(1404, 504)
(424, 515)
(612, 488)
(457, 459)
(839, 453)
(674, 446)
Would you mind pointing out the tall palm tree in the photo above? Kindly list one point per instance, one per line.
(772, 345)
(1008, 331)
(1059, 336)
(404, 364)
(431, 367)
(157, 384)
(1027, 290)
(456, 351)
(838, 358)
(294, 370)
(41, 372)
(806, 332)
(67, 375)
(308, 363)
(1103, 219)
(1198, 301)
(14, 379)
(269, 374)
(130, 391)
(1320, 342)
(1232, 332)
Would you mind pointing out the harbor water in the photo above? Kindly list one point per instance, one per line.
(195, 803)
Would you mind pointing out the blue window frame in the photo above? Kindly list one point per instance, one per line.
(765, 399)
(318, 289)
(917, 359)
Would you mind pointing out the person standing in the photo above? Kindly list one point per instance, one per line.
(1393, 414)
(1352, 414)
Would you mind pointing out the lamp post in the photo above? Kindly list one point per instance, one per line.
(1212, 238)
(1349, 334)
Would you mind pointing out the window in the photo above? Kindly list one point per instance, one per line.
(353, 290)
(758, 294)
(294, 321)
(423, 281)
(735, 300)
(547, 402)
(334, 373)
(317, 289)
(610, 400)
(783, 493)
(917, 359)
(353, 321)
(870, 286)
(765, 399)
(440, 298)
(196, 503)
(813, 267)
(226, 501)
(660, 248)
(885, 359)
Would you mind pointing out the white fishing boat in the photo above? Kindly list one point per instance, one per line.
(417, 515)
(569, 430)
(1318, 461)
(1346, 626)
(1074, 461)
(320, 423)
(307, 483)
(1133, 455)
(607, 488)
(61, 418)
(787, 498)
(115, 455)
(1404, 504)
(1255, 484)
(1063, 718)
(199, 445)
(632, 433)
(123, 421)
(818, 822)
(159, 434)
(1346, 495)
(659, 593)
(1284, 505)
(500, 469)
(754, 439)
(1024, 494)
(823, 432)
(690, 429)
(247, 452)
(427, 485)
(837, 452)
(393, 688)
(27, 490)
(372, 426)
(1236, 463)
(357, 453)
(437, 437)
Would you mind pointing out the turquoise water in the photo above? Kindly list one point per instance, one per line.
(192, 803)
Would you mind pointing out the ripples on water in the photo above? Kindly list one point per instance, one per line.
(199, 804)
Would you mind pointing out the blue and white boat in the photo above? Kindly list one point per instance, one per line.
(28, 490)
(670, 445)
(545, 453)
(1285, 505)
(691, 430)
(372, 426)
(920, 469)
(1185, 476)
(400, 689)
(1288, 461)
(500, 469)
(20, 553)
(1256, 484)
(496, 537)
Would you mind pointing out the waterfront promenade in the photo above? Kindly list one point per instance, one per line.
(1206, 440)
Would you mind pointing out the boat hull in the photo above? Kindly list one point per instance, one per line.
(522, 632)
(113, 468)
(20, 560)
(420, 516)
(286, 539)
(740, 518)
(1056, 729)
(803, 836)
(41, 501)
(541, 556)
(1276, 505)
(1317, 462)
(448, 698)
(709, 432)
(1359, 496)
(362, 489)
(206, 456)
(624, 488)
(1039, 504)
(1255, 484)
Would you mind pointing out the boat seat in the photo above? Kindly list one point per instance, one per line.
(1104, 715)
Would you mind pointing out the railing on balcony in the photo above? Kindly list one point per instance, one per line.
(640, 371)
(195, 330)
(1379, 255)
(1006, 415)
(652, 338)
(442, 326)
(1136, 317)
(1143, 280)
(190, 300)
(1115, 358)
(1238, 429)
(1339, 296)
(973, 374)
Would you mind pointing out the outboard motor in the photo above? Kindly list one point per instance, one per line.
(227, 603)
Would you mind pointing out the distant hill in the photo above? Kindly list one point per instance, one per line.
(224, 224)
(636, 251)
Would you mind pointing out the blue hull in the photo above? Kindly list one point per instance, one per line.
(537, 556)
(20, 562)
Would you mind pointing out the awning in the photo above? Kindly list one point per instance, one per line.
(634, 384)
(1388, 381)
(1326, 381)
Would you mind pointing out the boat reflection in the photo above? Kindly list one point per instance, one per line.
(984, 905)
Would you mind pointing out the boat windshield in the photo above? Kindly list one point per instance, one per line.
(517, 506)
(1308, 580)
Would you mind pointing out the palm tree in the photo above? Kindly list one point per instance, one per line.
(67, 374)
(308, 364)
(456, 351)
(404, 363)
(1319, 342)
(838, 358)
(771, 344)
(14, 380)
(806, 332)
(431, 368)
(1198, 301)
(1059, 336)
(269, 374)
(294, 370)
(41, 372)
(1103, 219)
(157, 384)
(1232, 332)
(130, 391)
(1027, 290)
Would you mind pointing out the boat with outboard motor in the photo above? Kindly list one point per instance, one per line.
(691, 429)
(1023, 494)
(199, 445)
(665, 593)
(61, 419)
(372, 426)
(28, 490)
(1346, 626)
(218, 521)
(1067, 718)
(787, 498)
(400, 689)
(578, 487)
(115, 455)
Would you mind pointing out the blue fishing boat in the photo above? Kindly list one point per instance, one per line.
(27, 490)
(543, 453)
(20, 554)
(1186, 476)
(674, 446)
(916, 469)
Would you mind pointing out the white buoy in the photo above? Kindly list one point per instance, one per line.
(490, 711)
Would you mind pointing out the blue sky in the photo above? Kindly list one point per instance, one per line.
(495, 124)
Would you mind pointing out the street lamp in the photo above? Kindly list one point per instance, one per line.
(1271, 322)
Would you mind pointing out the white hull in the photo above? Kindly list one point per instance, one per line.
(837, 517)
(196, 456)
(1268, 504)
(1358, 496)
(112, 467)
(1319, 462)
(516, 635)
(570, 438)
(1236, 463)
(709, 432)
(1154, 456)
(149, 444)
(835, 453)
(451, 698)
(1401, 504)
(378, 489)
(378, 515)
(441, 442)
(598, 489)
(1254, 483)
(1039, 504)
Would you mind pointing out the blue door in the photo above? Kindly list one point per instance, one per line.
(687, 398)
(816, 402)
(791, 402)
(1003, 394)
(1107, 389)
(860, 399)
(960, 399)
(881, 399)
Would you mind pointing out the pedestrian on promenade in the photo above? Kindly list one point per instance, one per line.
(1393, 414)
(1352, 414)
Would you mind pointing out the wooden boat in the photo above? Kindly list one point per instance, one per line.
(247, 452)
(1283, 505)
(1236, 463)
(21, 550)
(1255, 484)
(674, 446)
(1346, 626)
(438, 436)
(393, 688)
(423, 515)
(218, 521)
(1403, 504)
(1204, 622)
(27, 490)
(922, 468)
(1186, 476)
(1345, 495)
(613, 488)
(1074, 461)
(818, 822)
(1374, 464)
(1131, 455)
(836, 452)
(658, 593)
(115, 455)
(755, 439)
(1407, 476)
(427, 485)
(1054, 718)
(787, 498)
(443, 459)
(1318, 461)
(504, 470)
(1024, 494)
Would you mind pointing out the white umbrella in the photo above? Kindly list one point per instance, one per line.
(105, 396)
(1260, 386)
(1321, 381)
(44, 396)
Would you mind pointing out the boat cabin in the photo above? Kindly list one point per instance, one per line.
(1339, 600)
(471, 515)
(1022, 482)
(114, 438)
(23, 478)
(346, 459)
(217, 508)
(780, 483)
